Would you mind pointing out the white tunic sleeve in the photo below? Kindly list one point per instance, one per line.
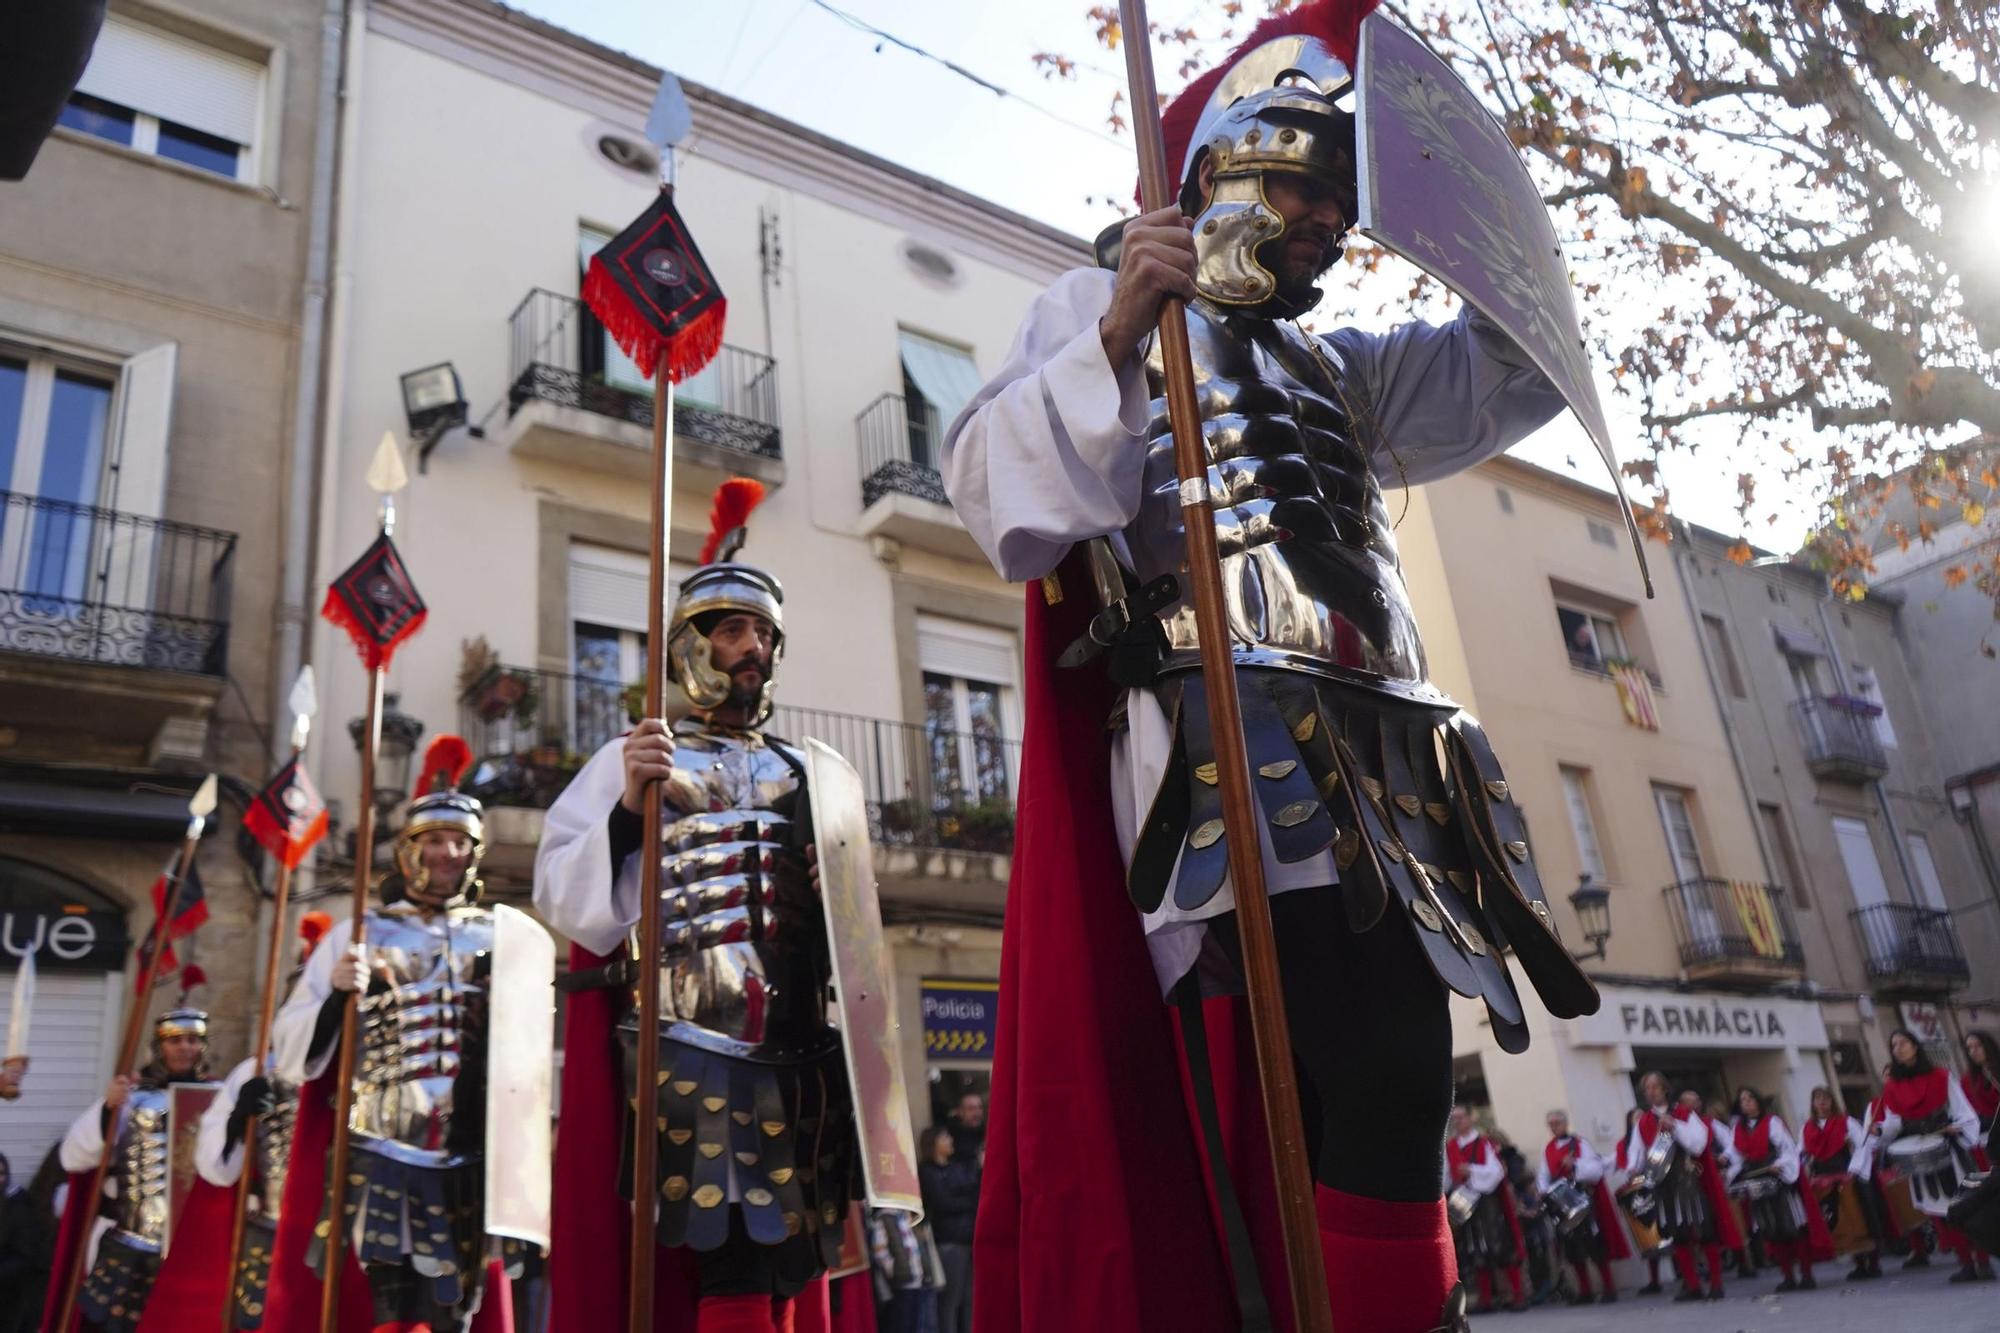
(1590, 1167)
(1862, 1163)
(1959, 1106)
(216, 1166)
(83, 1145)
(1542, 1177)
(1692, 1134)
(1440, 398)
(1052, 450)
(1484, 1177)
(292, 1056)
(576, 890)
(1787, 1149)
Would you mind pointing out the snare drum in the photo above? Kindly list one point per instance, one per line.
(1461, 1203)
(1932, 1167)
(1754, 1189)
(1568, 1206)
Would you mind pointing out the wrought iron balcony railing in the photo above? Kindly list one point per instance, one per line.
(1734, 927)
(95, 585)
(1840, 740)
(899, 450)
(560, 354)
(927, 787)
(1910, 946)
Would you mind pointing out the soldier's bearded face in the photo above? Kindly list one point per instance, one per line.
(742, 646)
(181, 1053)
(1314, 224)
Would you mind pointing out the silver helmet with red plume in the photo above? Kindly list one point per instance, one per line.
(440, 805)
(722, 586)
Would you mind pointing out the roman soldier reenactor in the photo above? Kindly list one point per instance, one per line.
(224, 1145)
(758, 1150)
(131, 1122)
(1598, 1238)
(1394, 876)
(1694, 1211)
(1921, 1100)
(423, 1231)
(1489, 1236)
(1777, 1197)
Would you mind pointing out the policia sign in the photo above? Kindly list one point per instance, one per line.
(960, 1018)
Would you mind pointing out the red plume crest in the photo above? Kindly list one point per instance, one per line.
(445, 764)
(313, 925)
(192, 976)
(1335, 22)
(734, 499)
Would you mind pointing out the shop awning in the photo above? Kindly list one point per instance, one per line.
(65, 810)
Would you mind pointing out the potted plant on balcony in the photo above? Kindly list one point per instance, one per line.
(986, 826)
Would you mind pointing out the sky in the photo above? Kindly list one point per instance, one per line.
(1043, 150)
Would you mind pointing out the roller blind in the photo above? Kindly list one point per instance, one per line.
(177, 79)
(607, 586)
(66, 1065)
(969, 652)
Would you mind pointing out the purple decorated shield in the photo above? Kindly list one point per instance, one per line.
(1443, 186)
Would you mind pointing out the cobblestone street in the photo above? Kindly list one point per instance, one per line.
(1921, 1302)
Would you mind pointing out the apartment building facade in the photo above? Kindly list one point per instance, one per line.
(152, 317)
(866, 304)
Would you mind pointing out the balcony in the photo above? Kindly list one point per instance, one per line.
(902, 493)
(1734, 931)
(112, 625)
(940, 803)
(564, 405)
(1840, 740)
(1910, 949)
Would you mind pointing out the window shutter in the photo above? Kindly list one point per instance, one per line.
(607, 586)
(969, 652)
(68, 1062)
(169, 76)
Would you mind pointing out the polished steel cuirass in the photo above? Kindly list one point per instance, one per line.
(274, 1146)
(744, 957)
(415, 1033)
(139, 1161)
(1310, 574)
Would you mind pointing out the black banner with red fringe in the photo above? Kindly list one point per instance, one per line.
(376, 603)
(652, 291)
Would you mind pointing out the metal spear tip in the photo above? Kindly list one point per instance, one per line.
(386, 473)
(202, 804)
(304, 703)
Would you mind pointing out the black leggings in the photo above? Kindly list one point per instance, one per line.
(1371, 1032)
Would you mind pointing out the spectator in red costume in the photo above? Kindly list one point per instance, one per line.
(1922, 1099)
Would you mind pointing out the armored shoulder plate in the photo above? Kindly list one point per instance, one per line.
(140, 1165)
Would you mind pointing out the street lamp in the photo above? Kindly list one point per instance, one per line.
(400, 733)
(1592, 905)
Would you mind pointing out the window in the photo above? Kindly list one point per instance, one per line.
(1868, 687)
(1576, 797)
(54, 433)
(607, 607)
(1857, 853)
(1592, 638)
(161, 93)
(1930, 889)
(1724, 655)
(1779, 839)
(939, 379)
(600, 357)
(1677, 822)
(970, 723)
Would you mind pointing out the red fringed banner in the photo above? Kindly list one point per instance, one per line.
(375, 602)
(288, 816)
(653, 293)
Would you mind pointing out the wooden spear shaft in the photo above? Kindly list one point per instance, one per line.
(646, 1049)
(259, 1053)
(128, 1051)
(350, 1025)
(1290, 1162)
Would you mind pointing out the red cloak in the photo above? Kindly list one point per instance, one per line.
(191, 1286)
(1616, 1246)
(69, 1234)
(1753, 1144)
(1728, 1234)
(591, 1225)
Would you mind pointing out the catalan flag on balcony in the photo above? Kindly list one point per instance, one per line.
(1759, 916)
(1635, 695)
(655, 295)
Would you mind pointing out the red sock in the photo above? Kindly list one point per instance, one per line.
(1582, 1277)
(1713, 1253)
(733, 1314)
(1604, 1271)
(1514, 1281)
(1389, 1266)
(1683, 1256)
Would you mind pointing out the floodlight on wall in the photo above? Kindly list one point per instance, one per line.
(434, 403)
(1592, 905)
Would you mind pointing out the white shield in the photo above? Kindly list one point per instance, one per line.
(521, 1035)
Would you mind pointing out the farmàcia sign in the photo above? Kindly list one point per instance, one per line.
(1632, 1017)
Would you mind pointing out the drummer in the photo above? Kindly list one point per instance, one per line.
(1918, 1100)
(1780, 1208)
(1628, 1184)
(1694, 1212)
(1828, 1147)
(1596, 1238)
